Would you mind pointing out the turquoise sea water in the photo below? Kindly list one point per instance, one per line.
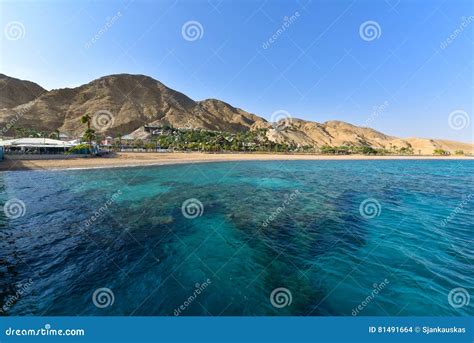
(339, 237)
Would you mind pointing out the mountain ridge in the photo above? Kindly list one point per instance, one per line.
(15, 92)
(128, 102)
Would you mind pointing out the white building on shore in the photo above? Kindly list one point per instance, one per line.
(36, 146)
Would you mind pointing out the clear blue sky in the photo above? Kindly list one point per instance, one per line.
(318, 69)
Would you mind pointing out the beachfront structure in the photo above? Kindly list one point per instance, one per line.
(107, 141)
(129, 138)
(154, 130)
(64, 137)
(35, 146)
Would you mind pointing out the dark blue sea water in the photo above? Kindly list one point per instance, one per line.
(242, 238)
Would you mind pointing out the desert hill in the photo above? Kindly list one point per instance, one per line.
(128, 102)
(132, 101)
(14, 92)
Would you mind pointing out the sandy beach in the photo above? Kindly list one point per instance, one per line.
(130, 159)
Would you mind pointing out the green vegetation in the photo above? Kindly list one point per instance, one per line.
(215, 141)
(250, 141)
(406, 151)
(331, 150)
(459, 152)
(440, 152)
(20, 132)
(365, 150)
(89, 134)
(54, 135)
(221, 141)
(79, 149)
(361, 150)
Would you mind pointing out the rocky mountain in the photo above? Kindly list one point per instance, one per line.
(332, 133)
(119, 104)
(14, 92)
(124, 103)
(338, 133)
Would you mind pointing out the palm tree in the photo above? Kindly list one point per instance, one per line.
(86, 119)
(119, 139)
(89, 135)
(54, 134)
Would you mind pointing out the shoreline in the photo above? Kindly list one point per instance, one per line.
(142, 159)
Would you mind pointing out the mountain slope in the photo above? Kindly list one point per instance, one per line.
(14, 92)
(338, 133)
(128, 102)
(123, 103)
(332, 133)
